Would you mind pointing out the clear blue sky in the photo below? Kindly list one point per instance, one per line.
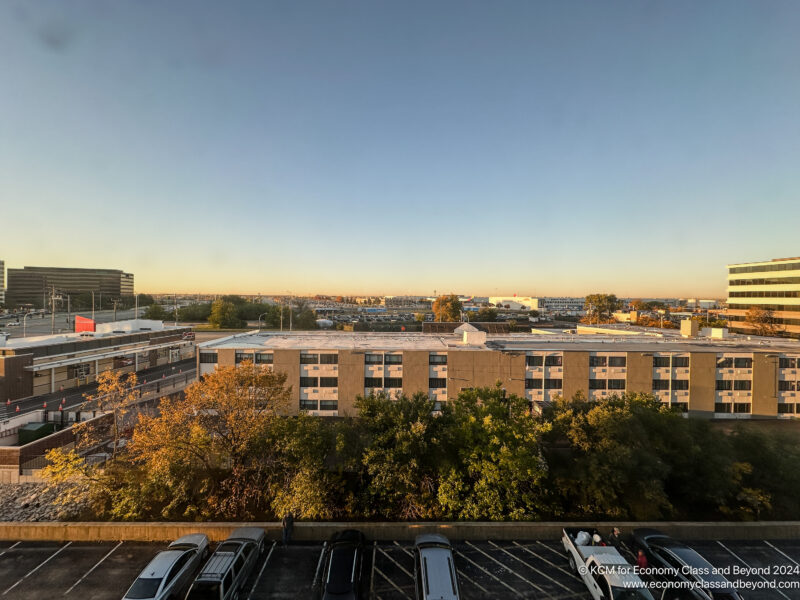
(400, 147)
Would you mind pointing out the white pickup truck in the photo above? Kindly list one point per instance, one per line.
(605, 572)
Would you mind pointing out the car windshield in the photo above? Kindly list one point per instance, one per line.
(340, 573)
(205, 590)
(631, 594)
(143, 588)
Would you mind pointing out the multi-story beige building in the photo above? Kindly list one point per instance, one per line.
(773, 285)
(730, 378)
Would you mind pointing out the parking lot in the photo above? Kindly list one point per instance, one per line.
(487, 569)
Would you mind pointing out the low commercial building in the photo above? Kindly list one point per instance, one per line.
(34, 285)
(2, 282)
(38, 365)
(771, 285)
(732, 378)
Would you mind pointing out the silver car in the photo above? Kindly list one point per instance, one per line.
(171, 571)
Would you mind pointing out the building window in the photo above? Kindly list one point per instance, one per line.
(373, 382)
(616, 384)
(552, 384)
(533, 384)
(264, 358)
(681, 406)
(741, 407)
(309, 405)
(788, 363)
(329, 405)
(329, 382)
(309, 359)
(726, 362)
(373, 359)
(786, 386)
(243, 356)
(680, 384)
(534, 361)
(81, 370)
(743, 363)
(437, 382)
(617, 361)
(660, 384)
(437, 359)
(722, 407)
(393, 359)
(309, 381)
(329, 359)
(660, 361)
(553, 361)
(597, 384)
(598, 361)
(742, 385)
(680, 361)
(393, 382)
(785, 408)
(724, 385)
(208, 358)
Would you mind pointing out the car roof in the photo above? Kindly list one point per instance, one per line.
(439, 572)
(217, 565)
(193, 539)
(252, 534)
(161, 563)
(704, 569)
(348, 535)
(430, 538)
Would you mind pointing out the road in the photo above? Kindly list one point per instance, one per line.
(76, 395)
(43, 324)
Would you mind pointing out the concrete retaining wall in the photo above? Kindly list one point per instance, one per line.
(165, 532)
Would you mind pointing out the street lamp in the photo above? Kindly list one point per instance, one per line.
(24, 317)
(259, 319)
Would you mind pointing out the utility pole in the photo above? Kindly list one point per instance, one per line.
(92, 305)
(53, 312)
(176, 309)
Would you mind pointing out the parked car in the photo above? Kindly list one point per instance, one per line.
(434, 568)
(170, 572)
(342, 574)
(223, 576)
(680, 563)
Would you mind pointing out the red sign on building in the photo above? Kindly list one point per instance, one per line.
(83, 324)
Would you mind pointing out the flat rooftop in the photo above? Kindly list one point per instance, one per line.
(513, 342)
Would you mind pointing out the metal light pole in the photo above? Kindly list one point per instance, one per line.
(259, 319)
(24, 317)
(92, 305)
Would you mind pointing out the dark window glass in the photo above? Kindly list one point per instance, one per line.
(660, 361)
(725, 362)
(309, 381)
(598, 361)
(660, 384)
(534, 361)
(784, 409)
(724, 385)
(741, 407)
(552, 384)
(742, 384)
(264, 358)
(681, 406)
(597, 384)
(329, 405)
(680, 361)
(393, 359)
(308, 405)
(393, 382)
(680, 384)
(373, 359)
(786, 386)
(722, 407)
(616, 384)
(437, 382)
(787, 363)
(437, 359)
(309, 359)
(533, 384)
(552, 361)
(329, 359)
(228, 581)
(373, 382)
(743, 363)
(617, 361)
(765, 268)
(329, 382)
(243, 356)
(208, 358)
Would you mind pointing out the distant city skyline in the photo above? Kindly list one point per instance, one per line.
(551, 149)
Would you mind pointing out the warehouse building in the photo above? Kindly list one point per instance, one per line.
(38, 365)
(33, 286)
(731, 378)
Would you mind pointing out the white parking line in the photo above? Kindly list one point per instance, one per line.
(509, 569)
(778, 550)
(317, 573)
(497, 579)
(392, 583)
(749, 567)
(532, 568)
(97, 564)
(10, 548)
(552, 564)
(372, 572)
(459, 571)
(39, 566)
(397, 564)
(266, 560)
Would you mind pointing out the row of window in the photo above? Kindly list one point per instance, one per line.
(741, 385)
(767, 294)
(730, 362)
(547, 384)
(789, 386)
(765, 281)
(674, 361)
(733, 407)
(777, 320)
(547, 361)
(664, 384)
(733, 305)
(606, 384)
(319, 405)
(789, 363)
(318, 359)
(789, 266)
(383, 382)
(787, 409)
(608, 361)
(383, 359)
(259, 358)
(326, 382)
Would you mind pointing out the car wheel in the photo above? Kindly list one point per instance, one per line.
(572, 564)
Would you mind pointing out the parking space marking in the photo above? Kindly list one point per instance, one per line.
(317, 573)
(532, 568)
(782, 553)
(36, 568)
(392, 583)
(372, 572)
(97, 564)
(552, 564)
(509, 569)
(10, 548)
(497, 579)
(397, 564)
(459, 571)
(261, 572)
(749, 567)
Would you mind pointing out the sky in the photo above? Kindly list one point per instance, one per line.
(532, 147)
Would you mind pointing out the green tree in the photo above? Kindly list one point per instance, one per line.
(157, 313)
(762, 320)
(601, 306)
(223, 315)
(447, 308)
(486, 315)
(234, 299)
(194, 313)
